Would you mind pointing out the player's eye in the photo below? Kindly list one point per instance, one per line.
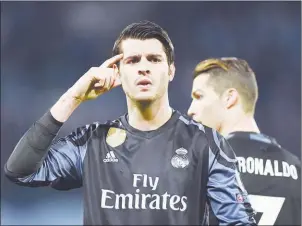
(132, 60)
(156, 60)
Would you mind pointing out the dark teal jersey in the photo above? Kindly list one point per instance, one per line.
(272, 177)
(168, 176)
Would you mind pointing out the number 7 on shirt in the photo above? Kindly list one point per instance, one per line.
(268, 205)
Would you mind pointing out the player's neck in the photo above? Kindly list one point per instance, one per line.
(149, 116)
(245, 123)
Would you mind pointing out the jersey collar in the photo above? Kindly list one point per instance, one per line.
(149, 134)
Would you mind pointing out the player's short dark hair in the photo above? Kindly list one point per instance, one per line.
(231, 72)
(146, 30)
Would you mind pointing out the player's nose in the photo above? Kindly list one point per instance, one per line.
(143, 67)
(144, 72)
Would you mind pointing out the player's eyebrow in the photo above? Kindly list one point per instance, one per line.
(155, 55)
(132, 56)
(196, 93)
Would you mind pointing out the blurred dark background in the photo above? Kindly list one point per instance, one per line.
(47, 46)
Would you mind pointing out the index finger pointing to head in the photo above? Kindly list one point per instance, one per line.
(112, 60)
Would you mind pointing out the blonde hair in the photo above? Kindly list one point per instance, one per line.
(231, 72)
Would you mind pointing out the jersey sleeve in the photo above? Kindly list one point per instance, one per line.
(38, 161)
(226, 194)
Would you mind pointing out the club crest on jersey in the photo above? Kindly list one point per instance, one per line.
(115, 137)
(180, 160)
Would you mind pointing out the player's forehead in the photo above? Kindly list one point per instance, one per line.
(133, 47)
(200, 83)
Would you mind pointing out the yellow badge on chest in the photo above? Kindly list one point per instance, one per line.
(115, 137)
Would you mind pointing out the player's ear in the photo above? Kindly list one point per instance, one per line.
(171, 72)
(231, 97)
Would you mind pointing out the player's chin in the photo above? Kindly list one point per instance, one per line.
(197, 119)
(206, 123)
(145, 97)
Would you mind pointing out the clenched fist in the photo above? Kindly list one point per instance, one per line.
(97, 80)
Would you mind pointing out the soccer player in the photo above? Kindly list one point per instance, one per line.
(150, 166)
(224, 97)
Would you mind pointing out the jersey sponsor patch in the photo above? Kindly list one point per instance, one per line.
(241, 197)
(144, 196)
(115, 137)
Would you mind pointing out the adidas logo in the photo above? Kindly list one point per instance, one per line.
(110, 157)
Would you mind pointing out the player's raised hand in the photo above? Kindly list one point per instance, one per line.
(97, 80)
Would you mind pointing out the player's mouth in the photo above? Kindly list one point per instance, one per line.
(144, 83)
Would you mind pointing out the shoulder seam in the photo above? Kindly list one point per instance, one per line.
(192, 122)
